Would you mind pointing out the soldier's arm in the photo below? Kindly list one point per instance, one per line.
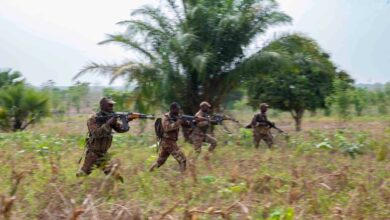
(169, 126)
(201, 121)
(254, 121)
(118, 128)
(96, 130)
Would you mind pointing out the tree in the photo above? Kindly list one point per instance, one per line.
(123, 99)
(387, 90)
(57, 98)
(341, 98)
(300, 81)
(197, 52)
(21, 106)
(360, 100)
(382, 102)
(76, 93)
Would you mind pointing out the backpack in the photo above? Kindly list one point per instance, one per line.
(158, 128)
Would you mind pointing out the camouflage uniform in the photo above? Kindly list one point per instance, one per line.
(100, 139)
(168, 145)
(199, 134)
(261, 131)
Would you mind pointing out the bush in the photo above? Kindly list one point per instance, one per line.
(21, 106)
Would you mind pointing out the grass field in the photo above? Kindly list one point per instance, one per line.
(331, 170)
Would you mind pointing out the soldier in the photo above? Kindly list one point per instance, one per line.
(99, 141)
(171, 124)
(199, 134)
(261, 127)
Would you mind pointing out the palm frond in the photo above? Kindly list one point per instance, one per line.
(93, 67)
(200, 62)
(131, 69)
(123, 41)
(175, 9)
(157, 16)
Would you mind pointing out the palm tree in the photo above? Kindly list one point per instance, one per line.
(193, 50)
(21, 106)
(9, 77)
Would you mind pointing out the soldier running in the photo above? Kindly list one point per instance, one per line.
(99, 141)
(171, 125)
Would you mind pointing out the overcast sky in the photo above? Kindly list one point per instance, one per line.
(54, 39)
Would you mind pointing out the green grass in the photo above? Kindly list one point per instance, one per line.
(317, 174)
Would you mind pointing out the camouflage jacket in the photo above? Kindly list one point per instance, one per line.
(202, 126)
(100, 133)
(171, 127)
(260, 123)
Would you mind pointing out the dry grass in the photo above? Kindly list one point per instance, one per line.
(293, 181)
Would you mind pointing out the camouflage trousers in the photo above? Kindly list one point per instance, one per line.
(169, 147)
(267, 138)
(100, 160)
(198, 139)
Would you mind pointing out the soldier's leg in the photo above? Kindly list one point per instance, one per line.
(107, 165)
(256, 139)
(197, 141)
(162, 156)
(90, 161)
(186, 131)
(111, 167)
(268, 139)
(179, 156)
(212, 141)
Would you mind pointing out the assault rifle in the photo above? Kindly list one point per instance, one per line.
(272, 125)
(268, 124)
(218, 119)
(188, 119)
(125, 117)
(215, 119)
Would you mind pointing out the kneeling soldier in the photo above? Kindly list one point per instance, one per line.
(99, 141)
(171, 123)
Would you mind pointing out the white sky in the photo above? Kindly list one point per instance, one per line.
(54, 39)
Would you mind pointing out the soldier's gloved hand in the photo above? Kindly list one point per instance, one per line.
(112, 121)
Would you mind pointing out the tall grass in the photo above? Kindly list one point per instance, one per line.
(318, 174)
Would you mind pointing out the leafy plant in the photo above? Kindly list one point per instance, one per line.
(282, 214)
(21, 106)
(9, 77)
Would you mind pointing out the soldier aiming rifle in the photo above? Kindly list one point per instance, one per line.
(262, 127)
(100, 126)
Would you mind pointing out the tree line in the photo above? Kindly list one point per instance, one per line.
(22, 104)
(202, 50)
